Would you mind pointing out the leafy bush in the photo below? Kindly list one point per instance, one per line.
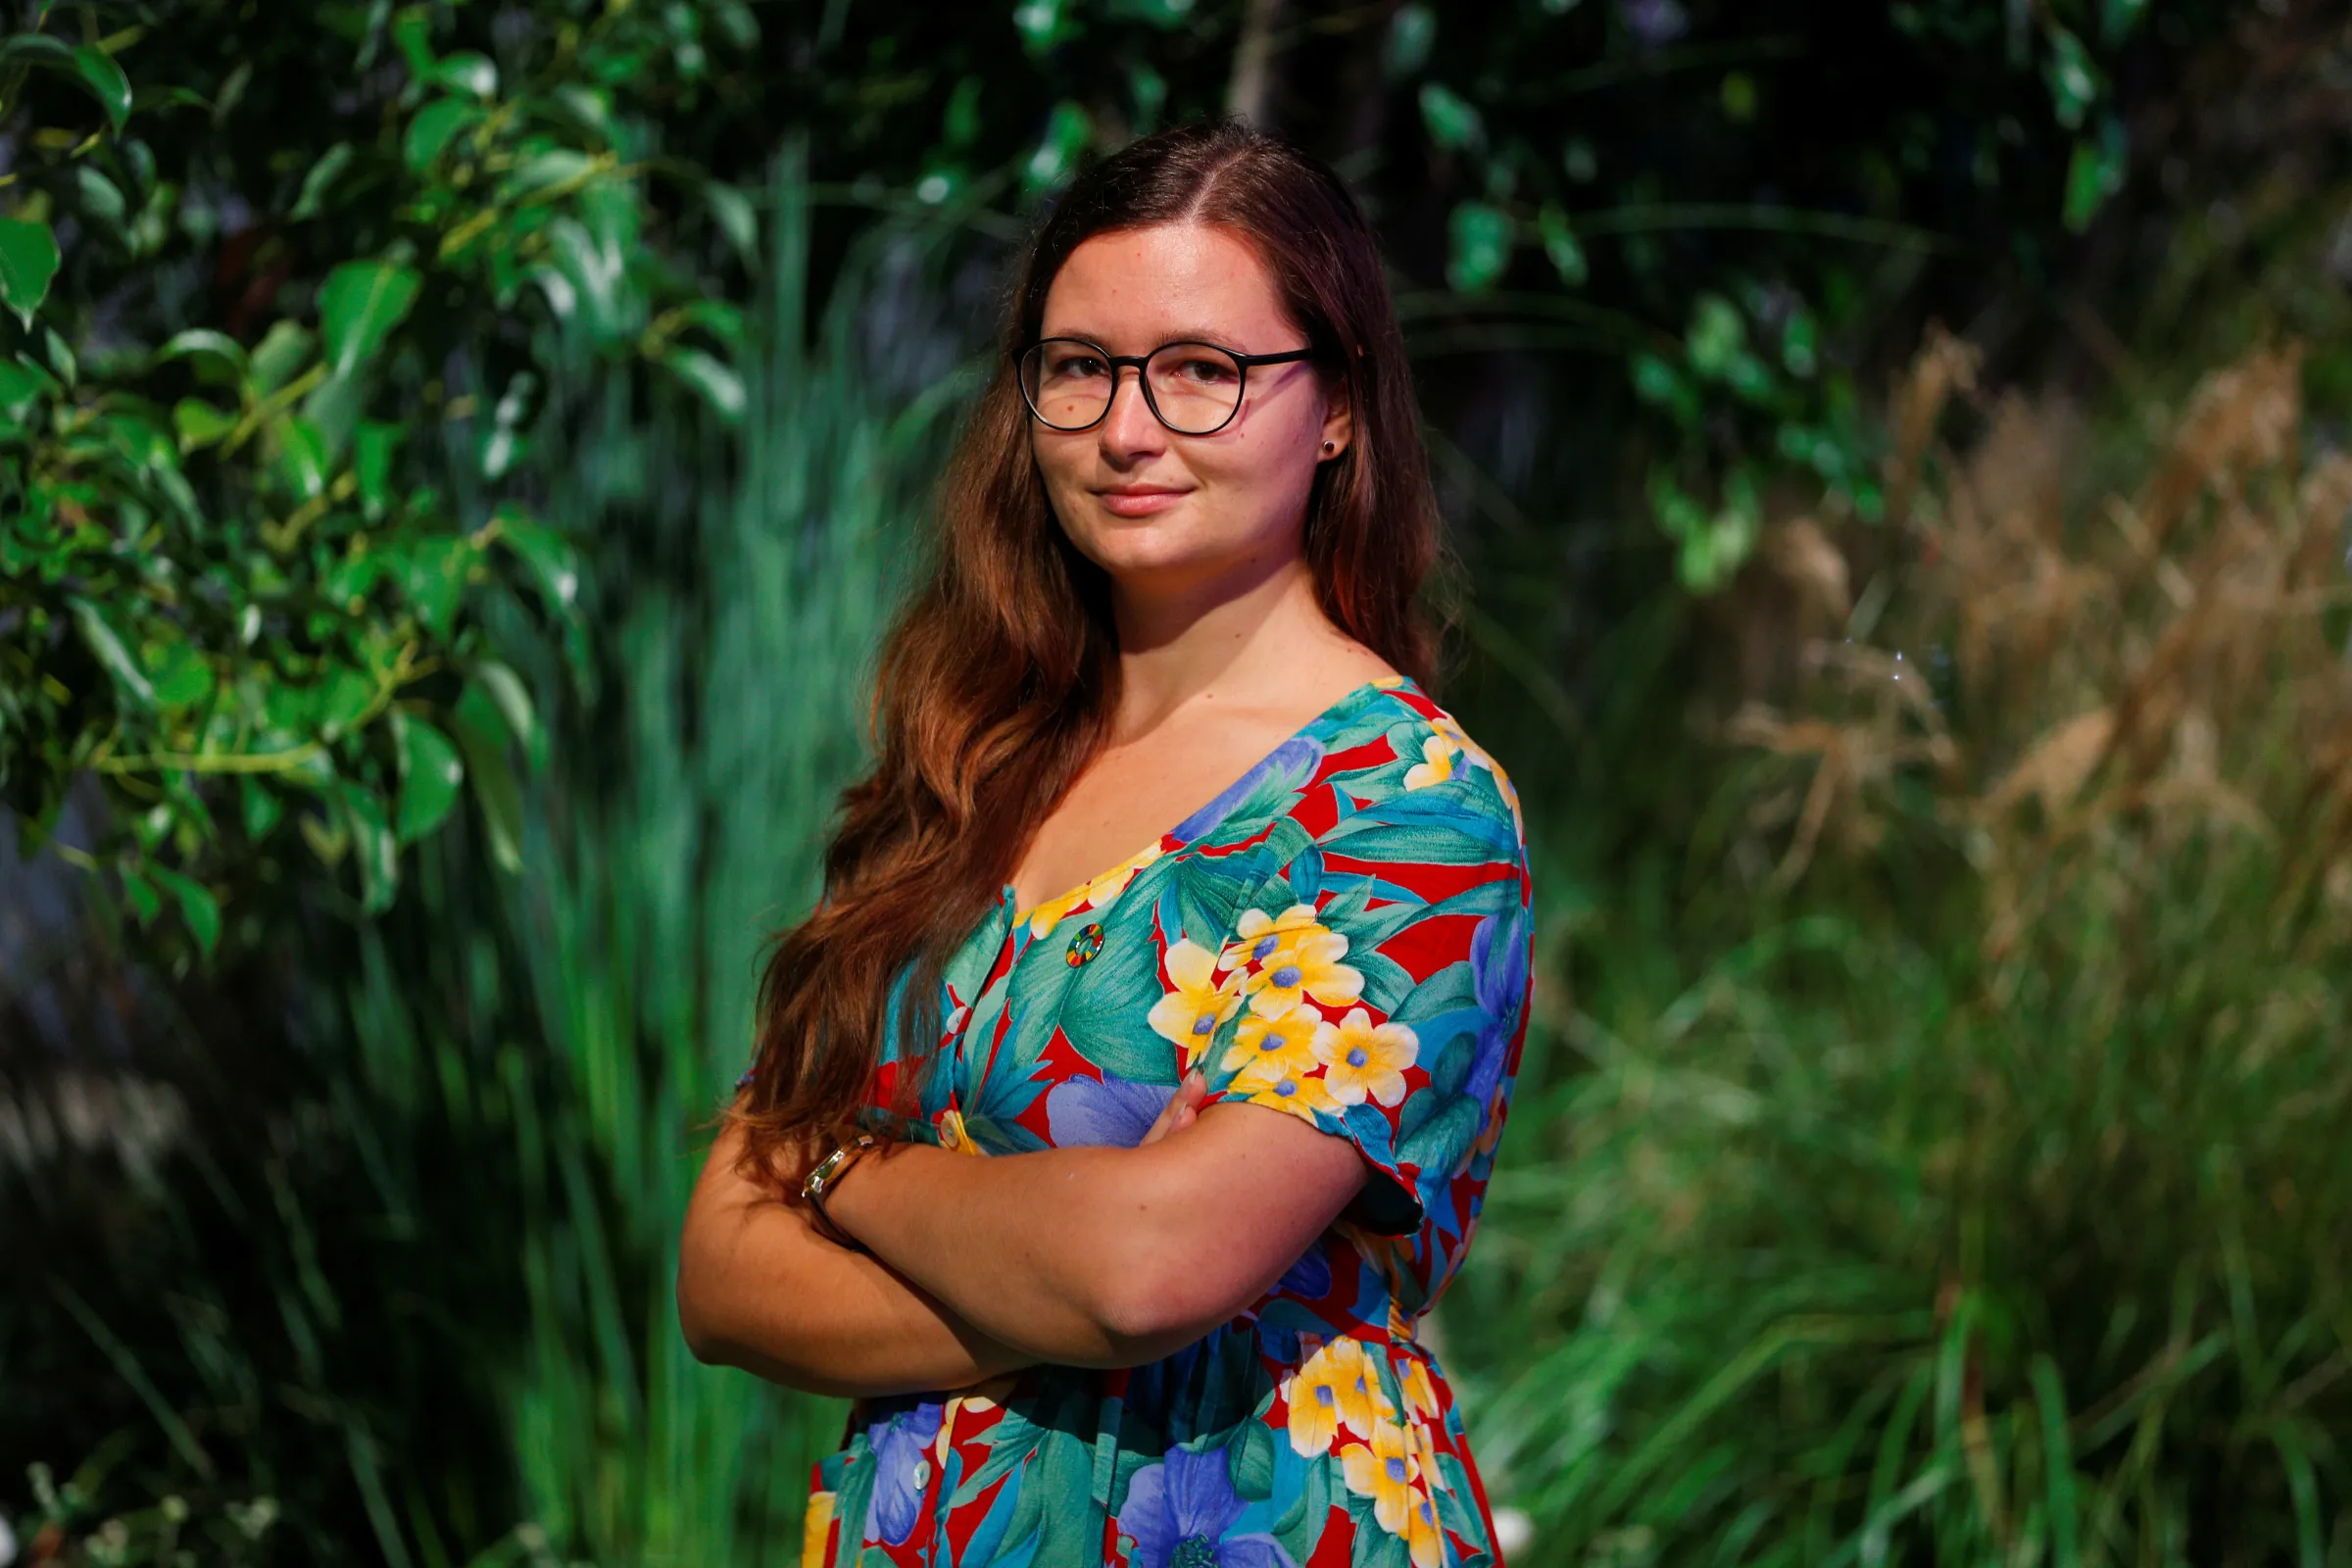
(252, 569)
(1987, 1199)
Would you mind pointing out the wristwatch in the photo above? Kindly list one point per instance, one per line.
(821, 1178)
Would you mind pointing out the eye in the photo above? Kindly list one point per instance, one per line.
(1073, 364)
(1207, 369)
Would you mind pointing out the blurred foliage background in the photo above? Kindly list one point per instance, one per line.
(455, 463)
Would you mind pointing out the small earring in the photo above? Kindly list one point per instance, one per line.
(1329, 447)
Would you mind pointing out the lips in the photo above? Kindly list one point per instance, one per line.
(1139, 500)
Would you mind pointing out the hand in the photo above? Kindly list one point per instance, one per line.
(1183, 1107)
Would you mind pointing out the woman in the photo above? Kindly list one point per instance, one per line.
(1238, 1094)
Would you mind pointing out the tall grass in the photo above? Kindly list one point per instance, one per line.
(687, 824)
(1951, 1166)
(406, 1289)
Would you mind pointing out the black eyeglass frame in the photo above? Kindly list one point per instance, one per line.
(1142, 382)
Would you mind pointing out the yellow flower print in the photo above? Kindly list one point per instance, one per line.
(1265, 1050)
(1048, 914)
(1284, 1087)
(816, 1528)
(1301, 959)
(952, 1132)
(1194, 1007)
(1435, 765)
(1363, 1059)
(1383, 1468)
(1335, 1391)
(1258, 936)
(1420, 1393)
(1422, 1537)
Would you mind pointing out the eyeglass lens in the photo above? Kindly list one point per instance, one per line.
(1194, 387)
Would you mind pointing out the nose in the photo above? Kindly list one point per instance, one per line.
(1128, 430)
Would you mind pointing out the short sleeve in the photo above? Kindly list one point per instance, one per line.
(1375, 984)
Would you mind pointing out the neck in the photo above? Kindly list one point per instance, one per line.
(1241, 637)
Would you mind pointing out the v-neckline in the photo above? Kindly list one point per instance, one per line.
(1348, 700)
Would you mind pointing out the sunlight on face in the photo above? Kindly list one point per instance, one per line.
(1146, 504)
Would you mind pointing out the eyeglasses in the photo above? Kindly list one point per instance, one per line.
(1192, 389)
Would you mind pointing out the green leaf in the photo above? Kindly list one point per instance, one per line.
(552, 166)
(1800, 344)
(465, 71)
(27, 263)
(260, 806)
(553, 563)
(107, 646)
(732, 211)
(344, 697)
(436, 125)
(199, 425)
(1042, 24)
(1560, 246)
(430, 774)
(278, 355)
(433, 574)
(1412, 33)
(1453, 121)
(373, 445)
(93, 67)
(183, 675)
(505, 692)
(2074, 84)
(359, 304)
(718, 384)
(413, 35)
(1067, 130)
(2094, 173)
(140, 895)
(99, 197)
(216, 357)
(21, 385)
(197, 905)
(374, 847)
(61, 356)
(302, 456)
(1716, 337)
(475, 727)
(1479, 244)
(105, 82)
(321, 177)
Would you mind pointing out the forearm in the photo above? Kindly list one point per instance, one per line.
(1018, 1245)
(1103, 1256)
(851, 1330)
(759, 1289)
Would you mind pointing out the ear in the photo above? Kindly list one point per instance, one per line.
(1339, 422)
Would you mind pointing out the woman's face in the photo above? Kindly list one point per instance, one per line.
(1144, 503)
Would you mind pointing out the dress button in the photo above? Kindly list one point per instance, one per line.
(1085, 944)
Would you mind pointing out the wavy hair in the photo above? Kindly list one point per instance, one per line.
(1000, 676)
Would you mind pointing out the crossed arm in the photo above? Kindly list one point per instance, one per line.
(1103, 1257)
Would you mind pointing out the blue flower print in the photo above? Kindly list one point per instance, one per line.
(1179, 1510)
(1113, 1114)
(1499, 980)
(901, 1451)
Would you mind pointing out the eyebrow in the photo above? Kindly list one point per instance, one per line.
(1189, 334)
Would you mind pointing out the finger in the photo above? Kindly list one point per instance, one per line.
(1165, 1122)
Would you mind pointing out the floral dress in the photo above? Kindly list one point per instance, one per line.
(1342, 935)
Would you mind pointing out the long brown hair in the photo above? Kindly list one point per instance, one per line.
(1000, 677)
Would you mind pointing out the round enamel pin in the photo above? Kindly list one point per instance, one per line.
(1085, 944)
